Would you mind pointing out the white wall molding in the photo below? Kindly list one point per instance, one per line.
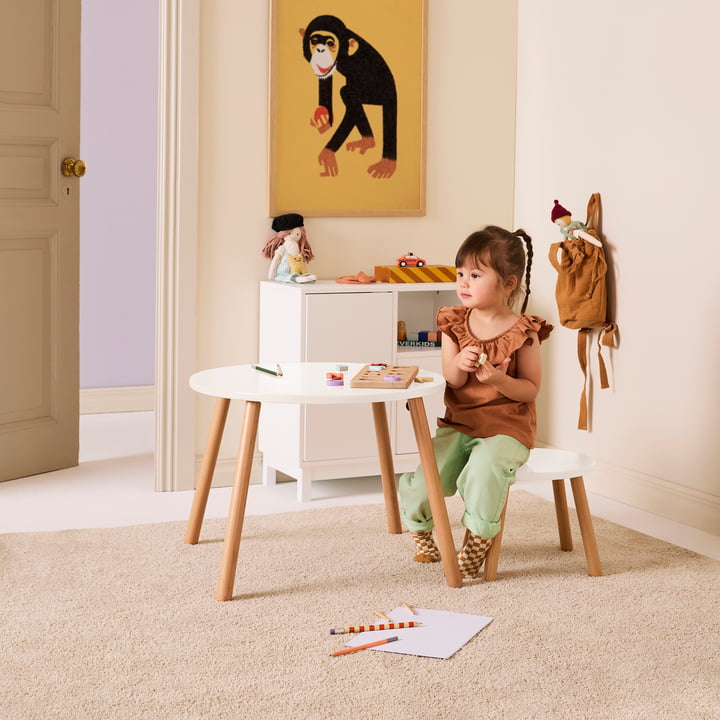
(682, 504)
(225, 470)
(135, 398)
(177, 243)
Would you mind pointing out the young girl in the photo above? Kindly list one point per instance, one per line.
(492, 366)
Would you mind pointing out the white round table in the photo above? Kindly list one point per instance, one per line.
(306, 383)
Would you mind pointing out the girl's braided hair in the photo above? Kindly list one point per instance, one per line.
(502, 251)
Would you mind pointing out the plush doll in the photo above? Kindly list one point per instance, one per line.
(289, 250)
(568, 227)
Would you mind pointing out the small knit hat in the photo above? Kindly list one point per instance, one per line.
(559, 211)
(287, 222)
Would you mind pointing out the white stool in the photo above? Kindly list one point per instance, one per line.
(556, 465)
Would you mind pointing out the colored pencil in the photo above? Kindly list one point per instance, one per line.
(363, 647)
(265, 370)
(371, 628)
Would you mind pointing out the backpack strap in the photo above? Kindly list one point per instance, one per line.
(553, 255)
(582, 349)
(593, 212)
(606, 337)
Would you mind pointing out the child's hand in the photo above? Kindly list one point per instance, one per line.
(492, 374)
(467, 358)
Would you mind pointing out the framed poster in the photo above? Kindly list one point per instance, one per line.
(347, 107)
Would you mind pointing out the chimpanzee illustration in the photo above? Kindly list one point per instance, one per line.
(329, 46)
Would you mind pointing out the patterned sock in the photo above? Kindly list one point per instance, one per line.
(472, 555)
(425, 549)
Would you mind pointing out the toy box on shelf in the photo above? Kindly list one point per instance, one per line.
(424, 274)
(422, 339)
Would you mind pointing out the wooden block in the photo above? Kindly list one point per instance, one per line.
(425, 274)
(367, 378)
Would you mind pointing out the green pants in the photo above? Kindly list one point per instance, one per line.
(480, 469)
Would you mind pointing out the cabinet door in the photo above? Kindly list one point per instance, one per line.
(351, 327)
(345, 327)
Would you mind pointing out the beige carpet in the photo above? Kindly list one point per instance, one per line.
(122, 623)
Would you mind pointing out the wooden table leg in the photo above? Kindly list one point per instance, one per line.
(561, 513)
(586, 527)
(435, 493)
(202, 487)
(387, 468)
(238, 500)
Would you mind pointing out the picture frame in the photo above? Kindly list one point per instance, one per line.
(370, 159)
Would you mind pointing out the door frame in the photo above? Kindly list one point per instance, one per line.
(177, 231)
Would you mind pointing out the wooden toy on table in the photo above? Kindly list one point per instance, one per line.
(424, 274)
(368, 378)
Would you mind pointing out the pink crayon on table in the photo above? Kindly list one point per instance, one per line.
(370, 628)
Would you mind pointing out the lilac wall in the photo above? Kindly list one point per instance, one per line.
(118, 193)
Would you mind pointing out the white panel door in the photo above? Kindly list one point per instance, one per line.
(39, 235)
(349, 327)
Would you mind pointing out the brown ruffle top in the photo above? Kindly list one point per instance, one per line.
(478, 409)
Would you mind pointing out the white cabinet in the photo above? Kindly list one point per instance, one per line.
(331, 322)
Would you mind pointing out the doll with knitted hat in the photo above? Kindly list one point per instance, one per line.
(289, 250)
(571, 228)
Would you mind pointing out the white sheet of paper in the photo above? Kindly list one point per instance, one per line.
(441, 634)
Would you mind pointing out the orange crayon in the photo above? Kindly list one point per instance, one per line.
(363, 647)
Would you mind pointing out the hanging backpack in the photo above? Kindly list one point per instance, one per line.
(581, 290)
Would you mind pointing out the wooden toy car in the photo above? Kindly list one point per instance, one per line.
(410, 260)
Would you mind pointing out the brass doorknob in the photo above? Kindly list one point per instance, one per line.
(73, 168)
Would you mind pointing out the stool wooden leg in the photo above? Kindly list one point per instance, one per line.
(387, 468)
(493, 554)
(202, 487)
(446, 545)
(238, 500)
(561, 512)
(586, 526)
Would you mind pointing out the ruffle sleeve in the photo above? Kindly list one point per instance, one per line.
(505, 345)
(534, 323)
(451, 321)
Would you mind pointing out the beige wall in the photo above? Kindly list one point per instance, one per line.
(622, 99)
(470, 150)
(611, 98)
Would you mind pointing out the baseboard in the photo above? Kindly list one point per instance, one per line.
(669, 500)
(225, 470)
(117, 399)
(682, 504)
